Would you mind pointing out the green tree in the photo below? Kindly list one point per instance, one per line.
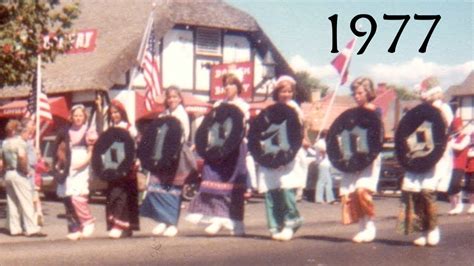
(403, 93)
(305, 84)
(23, 25)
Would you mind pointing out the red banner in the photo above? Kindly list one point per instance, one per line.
(83, 41)
(243, 71)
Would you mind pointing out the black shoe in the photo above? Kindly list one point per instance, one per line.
(38, 234)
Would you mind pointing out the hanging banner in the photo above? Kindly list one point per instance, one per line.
(243, 71)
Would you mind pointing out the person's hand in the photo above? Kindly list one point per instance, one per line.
(98, 101)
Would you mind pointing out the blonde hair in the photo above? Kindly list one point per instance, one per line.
(362, 81)
(79, 107)
(13, 127)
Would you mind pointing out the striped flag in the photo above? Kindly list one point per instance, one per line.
(342, 61)
(151, 72)
(38, 104)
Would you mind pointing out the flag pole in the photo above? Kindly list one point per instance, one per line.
(333, 97)
(38, 88)
(141, 51)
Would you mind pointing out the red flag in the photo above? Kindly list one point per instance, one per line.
(151, 73)
(342, 61)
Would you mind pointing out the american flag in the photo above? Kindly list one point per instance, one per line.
(44, 109)
(151, 72)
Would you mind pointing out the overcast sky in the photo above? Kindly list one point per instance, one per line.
(302, 32)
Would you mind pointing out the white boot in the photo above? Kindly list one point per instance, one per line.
(369, 233)
(359, 237)
(433, 237)
(88, 230)
(115, 233)
(74, 236)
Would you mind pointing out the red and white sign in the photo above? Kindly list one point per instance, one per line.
(243, 71)
(83, 41)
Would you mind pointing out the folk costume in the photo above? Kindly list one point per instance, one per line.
(280, 185)
(220, 200)
(75, 189)
(121, 209)
(469, 182)
(419, 212)
(459, 143)
(163, 198)
(356, 192)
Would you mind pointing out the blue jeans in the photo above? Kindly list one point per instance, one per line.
(324, 186)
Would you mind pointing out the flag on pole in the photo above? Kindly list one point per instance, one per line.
(38, 104)
(151, 71)
(342, 61)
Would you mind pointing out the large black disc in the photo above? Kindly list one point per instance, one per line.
(354, 139)
(421, 137)
(275, 136)
(220, 133)
(113, 155)
(160, 145)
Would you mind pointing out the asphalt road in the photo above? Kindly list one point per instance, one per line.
(321, 241)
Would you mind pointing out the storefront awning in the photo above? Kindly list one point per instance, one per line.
(17, 109)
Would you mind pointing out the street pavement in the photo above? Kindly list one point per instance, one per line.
(321, 241)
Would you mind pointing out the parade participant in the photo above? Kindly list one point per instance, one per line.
(459, 143)
(121, 209)
(280, 184)
(357, 187)
(163, 198)
(220, 201)
(75, 189)
(419, 188)
(324, 183)
(469, 184)
(21, 214)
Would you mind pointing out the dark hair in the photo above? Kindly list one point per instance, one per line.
(369, 90)
(169, 90)
(120, 108)
(280, 86)
(231, 79)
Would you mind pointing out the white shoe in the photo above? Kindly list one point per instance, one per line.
(74, 236)
(214, 228)
(421, 241)
(115, 233)
(171, 231)
(457, 210)
(159, 229)
(359, 237)
(88, 230)
(471, 209)
(285, 235)
(369, 232)
(434, 237)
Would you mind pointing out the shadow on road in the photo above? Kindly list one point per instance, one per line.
(325, 238)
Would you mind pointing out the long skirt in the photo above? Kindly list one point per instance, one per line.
(162, 203)
(280, 206)
(418, 212)
(221, 206)
(121, 208)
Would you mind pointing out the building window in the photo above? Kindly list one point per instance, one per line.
(467, 108)
(208, 42)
